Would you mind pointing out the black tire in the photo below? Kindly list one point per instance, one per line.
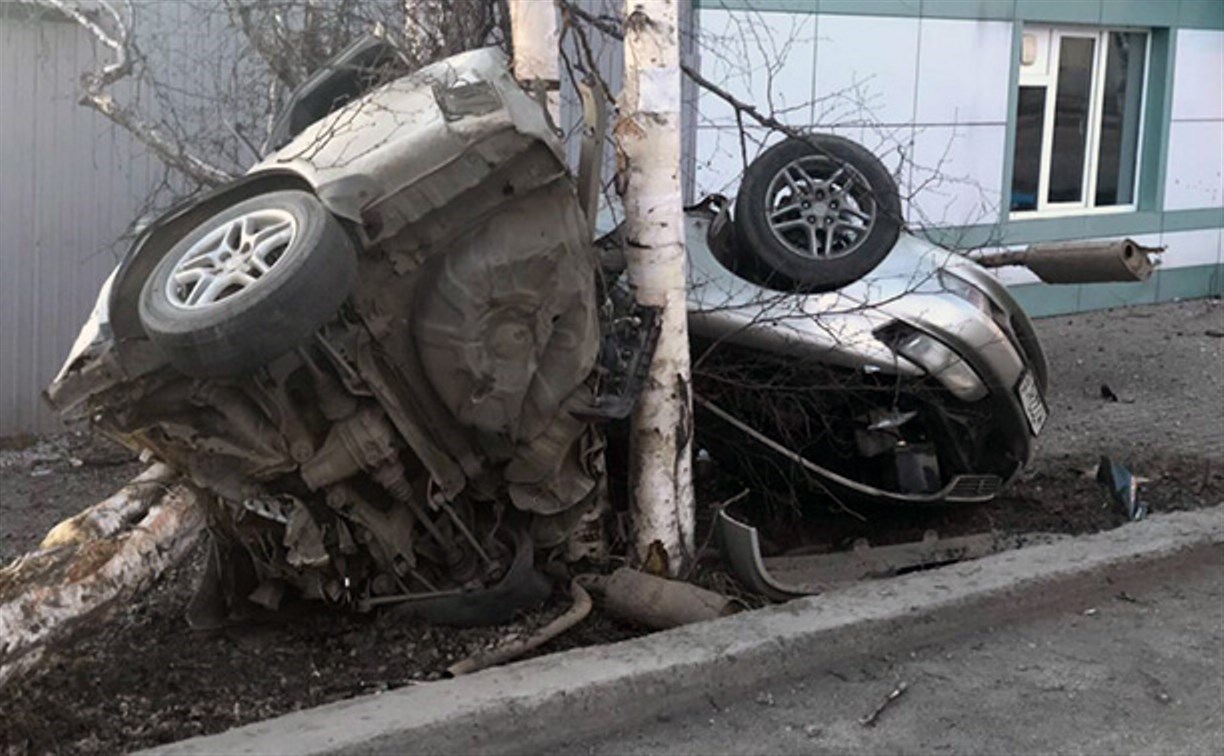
(854, 249)
(308, 279)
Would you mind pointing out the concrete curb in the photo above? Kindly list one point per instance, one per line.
(585, 692)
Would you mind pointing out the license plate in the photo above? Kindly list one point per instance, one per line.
(1034, 406)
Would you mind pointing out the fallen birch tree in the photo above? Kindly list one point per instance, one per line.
(92, 563)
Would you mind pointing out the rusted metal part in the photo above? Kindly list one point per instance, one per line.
(1080, 262)
(512, 650)
(657, 602)
(785, 577)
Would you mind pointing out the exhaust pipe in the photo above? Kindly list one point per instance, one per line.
(1081, 262)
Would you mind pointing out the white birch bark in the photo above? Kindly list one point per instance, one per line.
(648, 159)
(422, 26)
(533, 32)
(91, 564)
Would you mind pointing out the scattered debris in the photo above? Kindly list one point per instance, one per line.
(786, 577)
(869, 719)
(1156, 688)
(518, 646)
(657, 602)
(1123, 487)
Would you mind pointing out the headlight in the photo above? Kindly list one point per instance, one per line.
(942, 363)
(965, 290)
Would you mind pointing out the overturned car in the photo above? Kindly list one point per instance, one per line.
(377, 348)
(391, 347)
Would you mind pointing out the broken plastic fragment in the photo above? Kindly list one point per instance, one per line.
(1123, 487)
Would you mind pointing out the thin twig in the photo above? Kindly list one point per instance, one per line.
(688, 573)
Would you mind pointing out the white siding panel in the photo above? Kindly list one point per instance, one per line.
(69, 185)
(956, 175)
(1198, 75)
(865, 69)
(1195, 175)
(765, 59)
(719, 164)
(963, 71)
(1187, 248)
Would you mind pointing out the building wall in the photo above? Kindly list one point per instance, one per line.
(929, 86)
(71, 182)
(69, 185)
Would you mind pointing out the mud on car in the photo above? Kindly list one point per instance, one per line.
(391, 348)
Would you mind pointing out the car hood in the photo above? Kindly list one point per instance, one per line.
(837, 326)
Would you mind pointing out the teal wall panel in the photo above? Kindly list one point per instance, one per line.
(1060, 11)
(983, 10)
(1196, 14)
(1201, 14)
(1042, 300)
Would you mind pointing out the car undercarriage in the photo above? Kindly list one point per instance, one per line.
(391, 351)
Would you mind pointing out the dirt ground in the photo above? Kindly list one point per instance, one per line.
(44, 481)
(148, 679)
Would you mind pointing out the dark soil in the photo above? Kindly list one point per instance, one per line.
(148, 679)
(45, 481)
(1049, 499)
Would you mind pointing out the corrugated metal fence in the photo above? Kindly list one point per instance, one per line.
(70, 183)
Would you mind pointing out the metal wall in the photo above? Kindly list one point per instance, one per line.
(70, 184)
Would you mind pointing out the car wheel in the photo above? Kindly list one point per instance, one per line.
(253, 282)
(817, 213)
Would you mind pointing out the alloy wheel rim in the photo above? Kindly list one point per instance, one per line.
(232, 259)
(819, 209)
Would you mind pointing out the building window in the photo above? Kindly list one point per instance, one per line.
(1078, 120)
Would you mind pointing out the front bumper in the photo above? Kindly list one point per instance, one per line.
(998, 344)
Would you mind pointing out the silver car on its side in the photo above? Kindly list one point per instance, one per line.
(927, 374)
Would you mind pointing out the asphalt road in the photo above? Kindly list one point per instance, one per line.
(1121, 665)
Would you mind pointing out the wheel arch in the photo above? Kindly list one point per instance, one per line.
(159, 237)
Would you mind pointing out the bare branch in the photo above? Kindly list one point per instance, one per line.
(95, 84)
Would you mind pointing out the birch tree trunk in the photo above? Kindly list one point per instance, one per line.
(648, 159)
(423, 31)
(93, 563)
(533, 30)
